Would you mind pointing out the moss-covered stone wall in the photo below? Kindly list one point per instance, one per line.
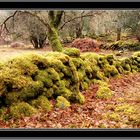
(32, 80)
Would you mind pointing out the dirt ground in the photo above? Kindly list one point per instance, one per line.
(6, 52)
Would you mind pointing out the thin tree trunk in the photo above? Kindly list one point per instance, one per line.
(118, 34)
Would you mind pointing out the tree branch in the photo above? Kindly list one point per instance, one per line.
(58, 18)
(3, 25)
(81, 16)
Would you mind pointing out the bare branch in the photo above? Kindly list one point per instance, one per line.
(81, 16)
(3, 25)
(35, 15)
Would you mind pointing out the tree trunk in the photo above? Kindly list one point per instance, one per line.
(118, 34)
(138, 35)
(54, 21)
(54, 40)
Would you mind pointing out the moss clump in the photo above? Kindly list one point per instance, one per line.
(73, 52)
(114, 117)
(84, 85)
(104, 93)
(41, 103)
(21, 110)
(110, 58)
(110, 71)
(31, 91)
(126, 108)
(24, 66)
(80, 98)
(62, 102)
(137, 54)
(48, 92)
(44, 77)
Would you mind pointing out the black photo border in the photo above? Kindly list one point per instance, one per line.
(69, 132)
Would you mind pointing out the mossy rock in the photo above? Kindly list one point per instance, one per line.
(52, 74)
(48, 92)
(104, 93)
(137, 54)
(84, 86)
(11, 80)
(41, 103)
(31, 91)
(39, 60)
(62, 102)
(25, 66)
(73, 52)
(90, 56)
(110, 71)
(78, 98)
(44, 77)
(110, 58)
(22, 109)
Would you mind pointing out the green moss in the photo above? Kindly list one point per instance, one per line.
(80, 98)
(110, 71)
(48, 92)
(114, 117)
(21, 110)
(52, 74)
(73, 52)
(104, 93)
(137, 54)
(44, 77)
(12, 97)
(126, 108)
(110, 58)
(41, 103)
(24, 66)
(12, 80)
(84, 85)
(31, 91)
(62, 102)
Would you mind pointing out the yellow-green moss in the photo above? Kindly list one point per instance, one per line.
(126, 108)
(104, 93)
(137, 54)
(115, 117)
(41, 103)
(62, 102)
(80, 98)
(48, 92)
(21, 110)
(73, 52)
(110, 71)
(31, 91)
(52, 74)
(24, 66)
(110, 58)
(84, 85)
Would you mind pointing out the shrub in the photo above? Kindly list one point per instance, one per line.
(121, 45)
(85, 44)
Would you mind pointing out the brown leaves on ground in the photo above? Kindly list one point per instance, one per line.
(121, 111)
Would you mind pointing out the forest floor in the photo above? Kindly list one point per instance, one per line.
(121, 111)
